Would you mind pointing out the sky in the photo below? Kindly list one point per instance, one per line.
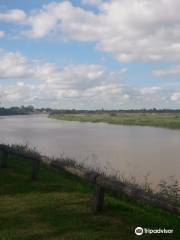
(90, 54)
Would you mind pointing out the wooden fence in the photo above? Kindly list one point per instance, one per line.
(105, 184)
(35, 158)
(101, 183)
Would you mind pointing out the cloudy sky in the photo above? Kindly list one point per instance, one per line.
(89, 54)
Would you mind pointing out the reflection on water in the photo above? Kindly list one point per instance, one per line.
(132, 150)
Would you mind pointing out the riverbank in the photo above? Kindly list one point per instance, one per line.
(166, 120)
(57, 207)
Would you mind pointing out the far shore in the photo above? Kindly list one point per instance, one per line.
(165, 120)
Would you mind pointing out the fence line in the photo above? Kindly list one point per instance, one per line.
(102, 184)
(35, 158)
(4, 159)
(106, 184)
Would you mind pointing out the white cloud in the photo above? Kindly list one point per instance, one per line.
(165, 72)
(92, 2)
(2, 34)
(60, 17)
(24, 81)
(13, 65)
(105, 90)
(14, 15)
(150, 90)
(175, 97)
(36, 82)
(18, 92)
(140, 30)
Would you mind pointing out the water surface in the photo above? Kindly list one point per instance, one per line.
(131, 150)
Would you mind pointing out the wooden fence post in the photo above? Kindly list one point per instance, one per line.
(35, 168)
(98, 200)
(4, 159)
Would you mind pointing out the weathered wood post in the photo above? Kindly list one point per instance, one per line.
(4, 158)
(98, 200)
(35, 168)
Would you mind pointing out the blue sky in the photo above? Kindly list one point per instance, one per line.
(90, 53)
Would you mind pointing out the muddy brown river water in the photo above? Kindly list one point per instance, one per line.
(132, 151)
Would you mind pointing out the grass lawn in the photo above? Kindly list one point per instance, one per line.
(58, 207)
(167, 120)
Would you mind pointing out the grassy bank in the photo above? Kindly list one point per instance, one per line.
(167, 120)
(58, 207)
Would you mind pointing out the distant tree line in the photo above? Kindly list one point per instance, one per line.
(16, 110)
(24, 110)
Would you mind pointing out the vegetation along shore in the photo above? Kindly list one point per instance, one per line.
(167, 118)
(156, 119)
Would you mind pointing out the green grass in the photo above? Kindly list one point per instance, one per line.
(167, 120)
(58, 207)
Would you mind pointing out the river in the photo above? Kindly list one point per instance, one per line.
(132, 151)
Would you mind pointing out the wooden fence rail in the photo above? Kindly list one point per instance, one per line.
(5, 151)
(4, 159)
(102, 184)
(98, 200)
